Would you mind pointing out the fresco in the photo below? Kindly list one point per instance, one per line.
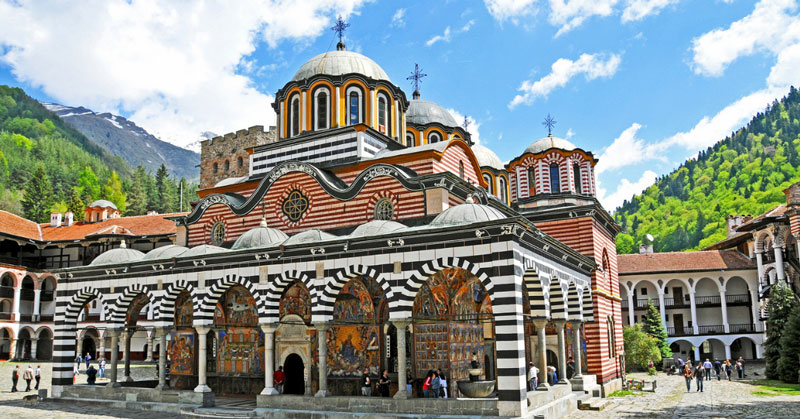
(241, 351)
(450, 292)
(238, 356)
(354, 303)
(237, 307)
(137, 305)
(181, 353)
(296, 300)
(354, 342)
(183, 310)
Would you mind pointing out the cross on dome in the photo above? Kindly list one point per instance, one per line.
(339, 28)
(466, 123)
(549, 122)
(416, 78)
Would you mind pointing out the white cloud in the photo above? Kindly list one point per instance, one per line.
(173, 67)
(512, 10)
(569, 134)
(399, 18)
(443, 37)
(592, 66)
(569, 14)
(626, 150)
(625, 190)
(473, 125)
(639, 9)
(467, 25)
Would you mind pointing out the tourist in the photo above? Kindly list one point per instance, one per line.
(699, 376)
(443, 389)
(102, 365)
(687, 375)
(717, 368)
(740, 368)
(571, 367)
(707, 366)
(87, 359)
(383, 384)
(436, 385)
(28, 377)
(728, 369)
(91, 375)
(14, 379)
(366, 389)
(277, 379)
(551, 375)
(38, 376)
(741, 361)
(533, 376)
(426, 386)
(409, 381)
(78, 362)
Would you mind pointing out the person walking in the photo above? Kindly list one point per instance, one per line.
(426, 385)
(38, 376)
(102, 365)
(91, 375)
(533, 374)
(571, 368)
(707, 366)
(728, 369)
(717, 368)
(277, 380)
(443, 388)
(14, 379)
(409, 381)
(436, 385)
(383, 384)
(740, 369)
(741, 361)
(366, 383)
(28, 377)
(699, 376)
(78, 362)
(87, 359)
(687, 375)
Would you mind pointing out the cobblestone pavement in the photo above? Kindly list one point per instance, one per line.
(719, 399)
(12, 406)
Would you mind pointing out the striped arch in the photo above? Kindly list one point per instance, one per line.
(558, 306)
(64, 338)
(279, 285)
(536, 294)
(123, 303)
(205, 315)
(574, 307)
(588, 305)
(164, 310)
(415, 281)
(335, 285)
(79, 299)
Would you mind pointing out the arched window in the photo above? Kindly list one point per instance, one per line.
(488, 180)
(434, 137)
(322, 116)
(612, 341)
(354, 105)
(555, 180)
(461, 169)
(531, 181)
(409, 139)
(576, 173)
(294, 116)
(239, 162)
(215, 168)
(383, 114)
(502, 185)
(227, 165)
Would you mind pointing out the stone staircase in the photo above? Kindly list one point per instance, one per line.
(588, 393)
(557, 402)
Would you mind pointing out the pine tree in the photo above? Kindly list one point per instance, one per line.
(38, 197)
(76, 205)
(789, 363)
(137, 197)
(652, 325)
(165, 190)
(780, 305)
(113, 192)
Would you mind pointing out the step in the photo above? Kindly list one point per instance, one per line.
(558, 408)
(593, 403)
(211, 412)
(121, 404)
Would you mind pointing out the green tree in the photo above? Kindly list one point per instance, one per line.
(137, 197)
(89, 184)
(640, 348)
(652, 325)
(780, 305)
(624, 243)
(789, 363)
(76, 205)
(113, 192)
(38, 197)
(165, 189)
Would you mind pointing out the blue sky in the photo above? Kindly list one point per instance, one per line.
(644, 84)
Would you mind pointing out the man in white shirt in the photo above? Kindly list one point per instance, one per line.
(708, 366)
(533, 376)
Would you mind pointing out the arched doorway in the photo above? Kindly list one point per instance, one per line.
(743, 347)
(24, 344)
(552, 358)
(44, 347)
(5, 343)
(295, 375)
(88, 346)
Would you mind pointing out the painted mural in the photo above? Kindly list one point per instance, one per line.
(183, 311)
(181, 352)
(451, 293)
(296, 300)
(137, 305)
(354, 342)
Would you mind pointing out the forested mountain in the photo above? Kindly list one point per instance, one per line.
(46, 165)
(745, 173)
(125, 139)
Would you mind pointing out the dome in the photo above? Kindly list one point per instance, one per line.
(102, 203)
(549, 142)
(203, 249)
(165, 252)
(261, 236)
(308, 236)
(467, 213)
(376, 227)
(339, 63)
(486, 157)
(422, 112)
(119, 255)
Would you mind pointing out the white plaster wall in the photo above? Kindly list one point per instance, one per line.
(709, 316)
(706, 287)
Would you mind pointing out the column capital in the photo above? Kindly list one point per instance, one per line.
(162, 330)
(202, 329)
(540, 323)
(575, 323)
(268, 328)
(322, 326)
(401, 324)
(560, 323)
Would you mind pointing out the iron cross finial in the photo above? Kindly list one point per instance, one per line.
(549, 122)
(466, 123)
(416, 78)
(340, 27)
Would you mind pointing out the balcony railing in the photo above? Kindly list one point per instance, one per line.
(716, 329)
(707, 300)
(26, 317)
(738, 299)
(47, 318)
(680, 331)
(5, 316)
(743, 328)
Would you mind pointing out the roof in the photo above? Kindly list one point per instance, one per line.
(757, 221)
(487, 157)
(467, 213)
(422, 112)
(731, 241)
(704, 260)
(339, 63)
(102, 203)
(549, 142)
(18, 226)
(141, 225)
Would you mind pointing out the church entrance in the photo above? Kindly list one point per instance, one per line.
(295, 375)
(88, 347)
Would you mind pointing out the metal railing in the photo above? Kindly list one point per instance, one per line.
(707, 300)
(5, 315)
(49, 317)
(680, 331)
(716, 329)
(742, 328)
(737, 299)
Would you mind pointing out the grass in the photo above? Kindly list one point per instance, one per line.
(625, 393)
(771, 388)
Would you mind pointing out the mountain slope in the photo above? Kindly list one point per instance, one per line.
(129, 141)
(745, 173)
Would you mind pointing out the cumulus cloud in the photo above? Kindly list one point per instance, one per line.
(176, 69)
(625, 190)
(592, 66)
(639, 9)
(627, 149)
(446, 36)
(569, 14)
(399, 18)
(511, 10)
(473, 125)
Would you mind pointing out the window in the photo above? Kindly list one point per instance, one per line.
(227, 165)
(531, 181)
(576, 173)
(612, 342)
(295, 205)
(488, 180)
(434, 137)
(321, 101)
(644, 291)
(461, 169)
(555, 180)
(384, 209)
(409, 139)
(239, 162)
(215, 168)
(294, 116)
(666, 317)
(383, 114)
(218, 233)
(354, 105)
(502, 184)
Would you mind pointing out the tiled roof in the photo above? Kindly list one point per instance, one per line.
(775, 212)
(707, 260)
(18, 226)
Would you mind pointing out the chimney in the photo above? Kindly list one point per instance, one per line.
(645, 248)
(735, 221)
(793, 195)
(69, 218)
(55, 219)
(152, 212)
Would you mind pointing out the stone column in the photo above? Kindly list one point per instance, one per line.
(695, 328)
(102, 346)
(662, 308)
(161, 333)
(779, 263)
(34, 344)
(540, 325)
(112, 373)
(12, 350)
(562, 352)
(402, 378)
(126, 356)
(759, 351)
(760, 265)
(202, 359)
(727, 351)
(724, 305)
(269, 359)
(322, 340)
(631, 307)
(149, 357)
(576, 348)
(36, 301)
(697, 354)
(15, 304)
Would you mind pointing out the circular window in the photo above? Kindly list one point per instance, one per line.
(384, 209)
(295, 205)
(218, 233)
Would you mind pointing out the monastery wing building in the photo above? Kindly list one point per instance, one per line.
(365, 232)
